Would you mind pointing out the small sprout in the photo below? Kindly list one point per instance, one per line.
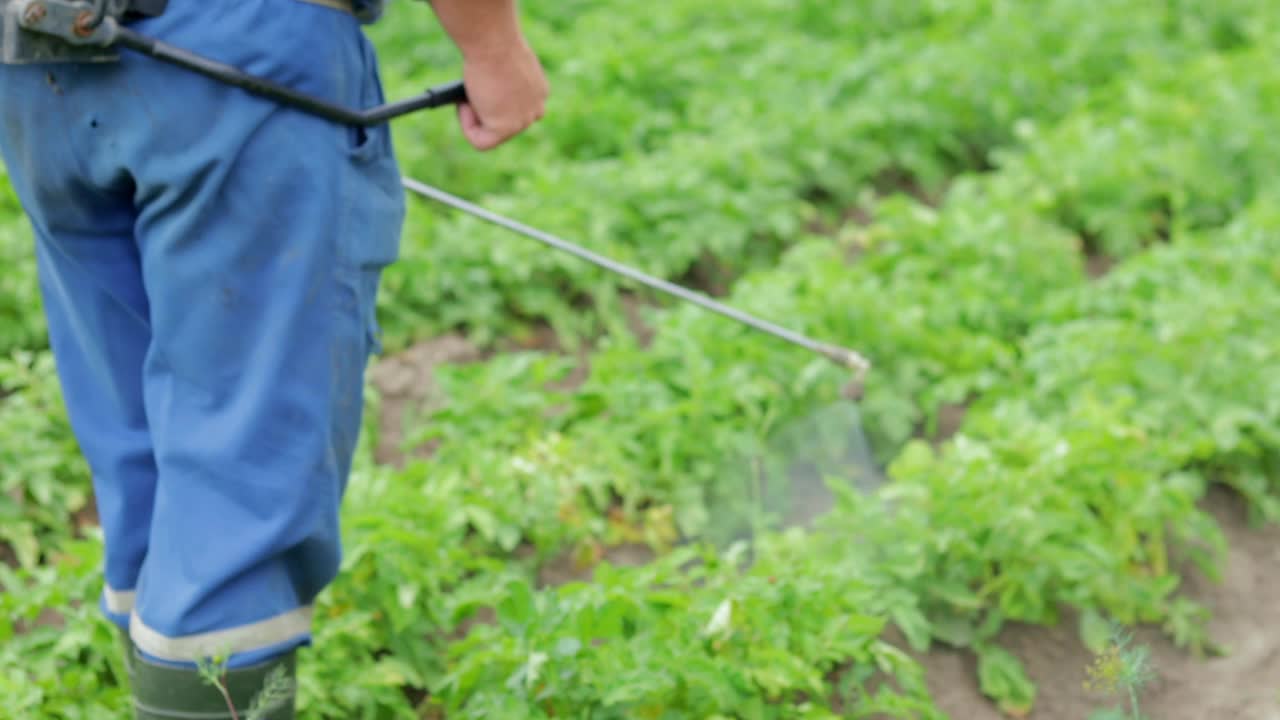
(213, 671)
(1121, 669)
(278, 690)
(1106, 671)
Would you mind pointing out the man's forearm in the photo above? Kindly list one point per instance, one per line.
(506, 88)
(480, 28)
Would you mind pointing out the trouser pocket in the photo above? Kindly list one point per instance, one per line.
(375, 200)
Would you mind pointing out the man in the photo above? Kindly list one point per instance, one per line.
(209, 262)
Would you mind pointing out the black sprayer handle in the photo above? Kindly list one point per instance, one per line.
(453, 93)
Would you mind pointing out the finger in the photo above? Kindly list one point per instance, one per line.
(468, 118)
(472, 128)
(483, 138)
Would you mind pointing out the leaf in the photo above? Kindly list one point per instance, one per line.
(955, 630)
(516, 608)
(568, 647)
(407, 595)
(1003, 679)
(721, 620)
(1095, 630)
(528, 674)
(914, 625)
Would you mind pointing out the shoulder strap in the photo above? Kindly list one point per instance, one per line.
(146, 8)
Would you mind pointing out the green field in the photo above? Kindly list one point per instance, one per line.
(1064, 222)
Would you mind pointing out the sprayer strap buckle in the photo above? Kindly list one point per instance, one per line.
(43, 31)
(64, 20)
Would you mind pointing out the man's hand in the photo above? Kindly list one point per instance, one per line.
(506, 93)
(506, 88)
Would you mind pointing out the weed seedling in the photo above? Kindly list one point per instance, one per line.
(1120, 670)
(278, 688)
(212, 670)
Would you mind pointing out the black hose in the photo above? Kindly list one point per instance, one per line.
(447, 94)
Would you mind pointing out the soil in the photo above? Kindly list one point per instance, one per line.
(1097, 264)
(708, 276)
(565, 569)
(949, 421)
(1242, 685)
(900, 181)
(634, 309)
(86, 517)
(889, 182)
(406, 384)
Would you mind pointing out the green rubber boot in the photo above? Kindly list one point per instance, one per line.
(126, 650)
(261, 692)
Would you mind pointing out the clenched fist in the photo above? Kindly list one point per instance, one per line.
(506, 88)
(506, 93)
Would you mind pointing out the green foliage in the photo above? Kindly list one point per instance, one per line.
(1169, 148)
(665, 642)
(705, 141)
(22, 324)
(44, 481)
(58, 659)
(1001, 676)
(1098, 409)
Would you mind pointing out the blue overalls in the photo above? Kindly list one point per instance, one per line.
(209, 262)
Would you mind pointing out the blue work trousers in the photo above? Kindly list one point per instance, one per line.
(209, 262)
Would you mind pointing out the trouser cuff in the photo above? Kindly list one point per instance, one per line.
(117, 606)
(242, 646)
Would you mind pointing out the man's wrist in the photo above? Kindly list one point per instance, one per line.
(495, 52)
(482, 30)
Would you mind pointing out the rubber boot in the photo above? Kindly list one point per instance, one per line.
(126, 651)
(161, 692)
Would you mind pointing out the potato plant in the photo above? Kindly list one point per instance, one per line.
(1061, 221)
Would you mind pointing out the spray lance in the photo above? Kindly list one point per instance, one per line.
(59, 31)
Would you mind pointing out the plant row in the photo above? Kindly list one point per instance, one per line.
(708, 143)
(691, 154)
(1098, 412)
(1071, 487)
(1159, 150)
